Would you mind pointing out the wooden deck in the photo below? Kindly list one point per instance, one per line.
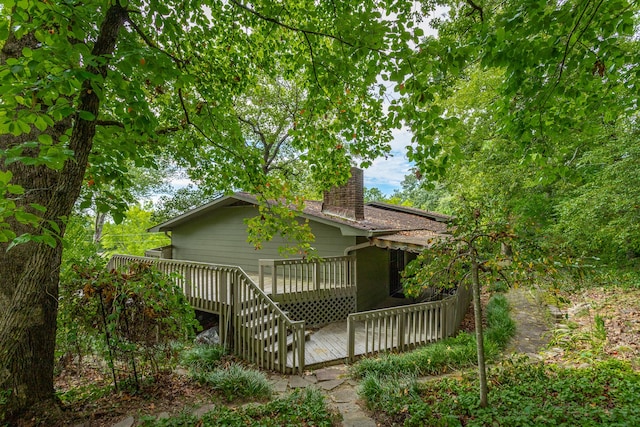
(329, 345)
(263, 319)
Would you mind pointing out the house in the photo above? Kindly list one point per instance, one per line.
(288, 314)
(382, 237)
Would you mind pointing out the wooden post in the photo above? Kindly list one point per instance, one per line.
(301, 348)
(351, 340)
(401, 328)
(282, 346)
(316, 275)
(261, 275)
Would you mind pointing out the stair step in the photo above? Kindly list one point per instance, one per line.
(307, 336)
(256, 310)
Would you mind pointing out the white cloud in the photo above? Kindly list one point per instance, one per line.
(387, 174)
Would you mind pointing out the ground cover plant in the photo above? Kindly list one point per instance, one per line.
(588, 376)
(300, 408)
(522, 394)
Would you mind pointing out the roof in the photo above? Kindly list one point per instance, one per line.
(385, 224)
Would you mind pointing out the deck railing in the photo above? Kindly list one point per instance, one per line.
(261, 332)
(292, 277)
(402, 328)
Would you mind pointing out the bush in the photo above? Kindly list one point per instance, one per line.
(132, 316)
(202, 357)
(237, 382)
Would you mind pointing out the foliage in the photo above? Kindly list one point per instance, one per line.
(374, 195)
(523, 394)
(202, 357)
(84, 394)
(130, 236)
(475, 234)
(179, 202)
(232, 381)
(235, 382)
(138, 312)
(93, 89)
(530, 105)
(446, 355)
(301, 407)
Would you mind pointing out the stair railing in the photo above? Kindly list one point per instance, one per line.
(260, 332)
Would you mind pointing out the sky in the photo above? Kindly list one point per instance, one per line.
(387, 174)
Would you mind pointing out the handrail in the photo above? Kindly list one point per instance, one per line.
(334, 274)
(230, 292)
(401, 328)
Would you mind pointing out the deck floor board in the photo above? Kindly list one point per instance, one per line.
(329, 344)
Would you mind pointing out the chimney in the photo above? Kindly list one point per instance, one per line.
(346, 201)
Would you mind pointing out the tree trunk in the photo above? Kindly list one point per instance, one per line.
(477, 310)
(30, 271)
(101, 217)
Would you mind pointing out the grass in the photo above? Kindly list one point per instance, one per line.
(202, 357)
(235, 382)
(302, 407)
(447, 355)
(232, 381)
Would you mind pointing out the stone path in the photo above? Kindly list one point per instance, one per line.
(533, 322)
(532, 325)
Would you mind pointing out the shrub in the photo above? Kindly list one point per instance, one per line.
(133, 315)
(237, 382)
(202, 357)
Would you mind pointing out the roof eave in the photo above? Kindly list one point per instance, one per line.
(214, 204)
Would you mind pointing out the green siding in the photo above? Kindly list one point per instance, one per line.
(221, 238)
(373, 277)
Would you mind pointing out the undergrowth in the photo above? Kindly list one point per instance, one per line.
(522, 394)
(302, 407)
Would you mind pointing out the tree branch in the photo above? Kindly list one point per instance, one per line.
(151, 43)
(476, 8)
(290, 27)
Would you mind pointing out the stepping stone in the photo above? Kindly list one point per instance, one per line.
(353, 416)
(329, 374)
(299, 382)
(280, 385)
(345, 396)
(203, 410)
(127, 422)
(162, 416)
(330, 384)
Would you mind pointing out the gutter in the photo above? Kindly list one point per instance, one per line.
(362, 245)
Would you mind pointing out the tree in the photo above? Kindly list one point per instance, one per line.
(131, 236)
(134, 81)
(518, 106)
(109, 191)
(472, 255)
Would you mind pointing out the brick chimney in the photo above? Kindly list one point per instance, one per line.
(346, 201)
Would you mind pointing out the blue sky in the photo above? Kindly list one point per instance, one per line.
(387, 174)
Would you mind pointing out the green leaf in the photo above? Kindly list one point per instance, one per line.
(86, 115)
(23, 238)
(5, 177)
(43, 138)
(15, 189)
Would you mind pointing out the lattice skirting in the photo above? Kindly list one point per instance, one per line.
(318, 313)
